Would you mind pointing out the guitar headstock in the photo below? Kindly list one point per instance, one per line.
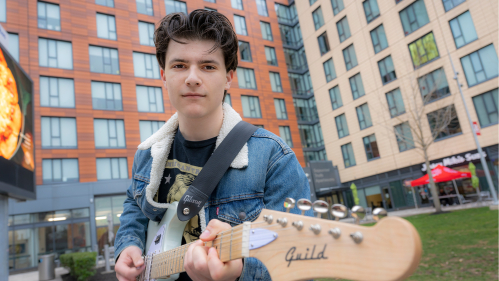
(310, 247)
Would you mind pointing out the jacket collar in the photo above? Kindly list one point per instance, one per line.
(161, 141)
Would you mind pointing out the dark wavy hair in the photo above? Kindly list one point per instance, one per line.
(198, 25)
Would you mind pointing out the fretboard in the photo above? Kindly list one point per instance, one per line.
(228, 245)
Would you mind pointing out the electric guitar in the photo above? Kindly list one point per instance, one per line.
(296, 247)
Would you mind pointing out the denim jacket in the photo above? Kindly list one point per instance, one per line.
(262, 175)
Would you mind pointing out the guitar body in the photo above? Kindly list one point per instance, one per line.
(165, 235)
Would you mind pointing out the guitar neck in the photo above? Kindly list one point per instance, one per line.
(229, 245)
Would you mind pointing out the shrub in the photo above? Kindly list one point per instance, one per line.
(81, 265)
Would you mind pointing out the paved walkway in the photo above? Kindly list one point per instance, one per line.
(33, 276)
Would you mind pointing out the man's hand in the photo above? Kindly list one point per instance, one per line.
(130, 264)
(202, 263)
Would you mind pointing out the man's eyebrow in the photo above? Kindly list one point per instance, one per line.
(186, 61)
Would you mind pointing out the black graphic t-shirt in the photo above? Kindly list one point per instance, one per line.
(185, 161)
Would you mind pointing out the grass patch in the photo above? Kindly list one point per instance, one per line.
(460, 245)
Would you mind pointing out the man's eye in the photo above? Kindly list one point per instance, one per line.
(178, 66)
(209, 67)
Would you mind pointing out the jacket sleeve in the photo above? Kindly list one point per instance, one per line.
(133, 222)
(285, 178)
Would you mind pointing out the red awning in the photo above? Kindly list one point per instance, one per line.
(441, 174)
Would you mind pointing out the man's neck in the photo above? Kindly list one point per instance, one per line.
(198, 129)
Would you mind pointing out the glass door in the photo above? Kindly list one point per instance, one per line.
(387, 198)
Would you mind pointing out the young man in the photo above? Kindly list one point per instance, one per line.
(197, 55)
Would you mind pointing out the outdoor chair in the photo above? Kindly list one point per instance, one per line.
(485, 195)
(464, 201)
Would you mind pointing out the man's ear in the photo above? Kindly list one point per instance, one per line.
(163, 78)
(229, 76)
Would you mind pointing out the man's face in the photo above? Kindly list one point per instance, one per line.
(194, 78)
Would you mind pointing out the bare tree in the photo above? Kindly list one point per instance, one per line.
(425, 127)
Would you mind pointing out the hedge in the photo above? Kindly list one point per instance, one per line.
(81, 265)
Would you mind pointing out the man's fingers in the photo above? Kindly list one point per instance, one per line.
(138, 261)
(213, 228)
(219, 269)
(126, 269)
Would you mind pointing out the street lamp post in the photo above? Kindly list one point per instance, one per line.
(479, 148)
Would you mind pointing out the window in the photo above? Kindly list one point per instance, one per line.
(275, 82)
(348, 157)
(286, 135)
(311, 135)
(57, 92)
(49, 16)
(210, 9)
(423, 50)
(463, 29)
(144, 7)
(53, 53)
(111, 168)
(343, 29)
(378, 37)
(341, 126)
(237, 4)
(291, 35)
(300, 83)
(296, 59)
(350, 57)
(404, 136)
(251, 107)
(450, 4)
(329, 70)
(106, 27)
(413, 17)
(173, 6)
(433, 86)
(387, 70)
(357, 86)
(447, 117)
(104, 60)
(337, 6)
(261, 6)
(148, 128)
(246, 78)
(318, 18)
(3, 11)
(335, 95)
(280, 109)
(240, 24)
(106, 96)
(480, 65)
(149, 99)
(60, 170)
(306, 109)
(270, 55)
(266, 31)
(486, 108)
(371, 9)
(315, 155)
(371, 147)
(145, 65)
(323, 43)
(364, 116)
(395, 103)
(14, 46)
(146, 33)
(109, 133)
(286, 14)
(211, 1)
(53, 135)
(228, 100)
(109, 3)
(244, 51)
(312, 2)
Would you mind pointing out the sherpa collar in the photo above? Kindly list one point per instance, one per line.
(161, 141)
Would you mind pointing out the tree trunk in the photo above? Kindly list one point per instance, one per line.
(433, 188)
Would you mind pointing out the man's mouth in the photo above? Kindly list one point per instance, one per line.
(192, 95)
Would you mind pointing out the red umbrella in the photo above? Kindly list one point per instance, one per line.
(441, 174)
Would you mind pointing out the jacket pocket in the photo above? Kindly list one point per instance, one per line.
(238, 211)
(139, 184)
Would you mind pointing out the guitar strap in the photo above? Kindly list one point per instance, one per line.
(201, 188)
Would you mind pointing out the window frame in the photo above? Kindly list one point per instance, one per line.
(484, 104)
(114, 100)
(342, 130)
(347, 52)
(269, 53)
(335, 97)
(50, 91)
(406, 144)
(103, 58)
(394, 106)
(373, 17)
(151, 91)
(325, 43)
(178, 6)
(343, 23)
(346, 149)
(444, 135)
(50, 130)
(337, 7)
(110, 19)
(237, 4)
(357, 86)
(369, 147)
(456, 19)
(281, 103)
(268, 30)
(449, 1)
(382, 64)
(154, 126)
(108, 133)
(287, 135)
(261, 6)
(106, 1)
(376, 32)
(364, 116)
(246, 75)
(330, 69)
(318, 18)
(148, 59)
(241, 20)
(253, 103)
(276, 86)
(54, 42)
(415, 42)
(477, 52)
(148, 6)
(248, 49)
(52, 181)
(425, 79)
(45, 26)
(110, 159)
(410, 11)
(150, 34)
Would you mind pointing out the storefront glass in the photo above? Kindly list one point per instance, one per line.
(104, 206)
(373, 197)
(400, 200)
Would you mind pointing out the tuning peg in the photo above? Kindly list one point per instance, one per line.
(359, 213)
(289, 204)
(339, 211)
(321, 207)
(304, 205)
(379, 213)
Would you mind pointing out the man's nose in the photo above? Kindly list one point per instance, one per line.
(193, 77)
